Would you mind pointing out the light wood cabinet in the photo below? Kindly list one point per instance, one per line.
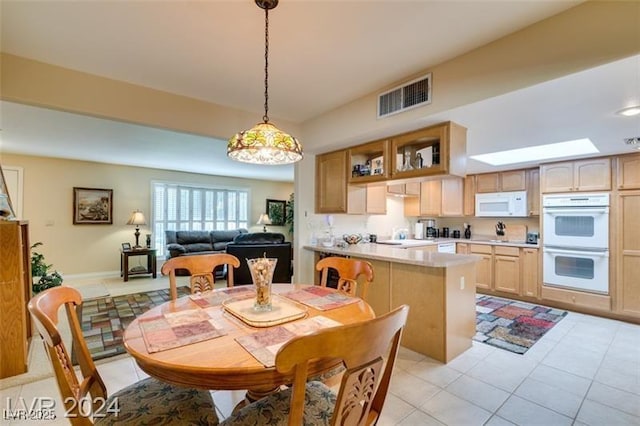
(506, 269)
(627, 254)
(331, 182)
(434, 150)
(582, 175)
(628, 176)
(441, 197)
(462, 248)
(533, 191)
(409, 189)
(15, 292)
(513, 180)
(366, 199)
(484, 267)
(530, 262)
(369, 162)
(469, 196)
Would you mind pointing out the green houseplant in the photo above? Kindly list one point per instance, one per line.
(289, 213)
(42, 278)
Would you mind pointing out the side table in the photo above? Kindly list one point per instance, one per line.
(151, 268)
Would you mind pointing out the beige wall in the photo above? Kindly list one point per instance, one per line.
(583, 37)
(94, 249)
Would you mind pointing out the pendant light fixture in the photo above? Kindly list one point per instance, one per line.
(264, 143)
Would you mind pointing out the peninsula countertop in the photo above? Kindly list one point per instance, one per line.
(391, 253)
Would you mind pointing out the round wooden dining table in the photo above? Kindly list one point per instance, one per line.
(221, 363)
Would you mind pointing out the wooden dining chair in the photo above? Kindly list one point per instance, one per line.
(348, 270)
(148, 401)
(201, 269)
(368, 351)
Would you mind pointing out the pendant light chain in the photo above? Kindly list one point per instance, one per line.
(265, 117)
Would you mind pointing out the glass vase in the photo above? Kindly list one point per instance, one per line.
(262, 270)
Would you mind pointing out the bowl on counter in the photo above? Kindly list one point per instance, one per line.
(352, 238)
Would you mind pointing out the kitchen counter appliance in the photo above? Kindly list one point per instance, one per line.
(576, 242)
(502, 204)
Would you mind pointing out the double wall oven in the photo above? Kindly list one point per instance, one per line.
(576, 241)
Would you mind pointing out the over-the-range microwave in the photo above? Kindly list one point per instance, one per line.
(502, 204)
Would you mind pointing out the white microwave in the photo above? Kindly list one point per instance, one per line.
(502, 204)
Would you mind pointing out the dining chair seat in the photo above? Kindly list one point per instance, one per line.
(367, 350)
(319, 404)
(147, 402)
(201, 270)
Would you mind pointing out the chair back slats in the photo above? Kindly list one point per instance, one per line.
(201, 269)
(44, 308)
(363, 347)
(349, 270)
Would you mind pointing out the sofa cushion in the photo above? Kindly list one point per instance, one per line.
(226, 236)
(192, 237)
(259, 238)
(197, 247)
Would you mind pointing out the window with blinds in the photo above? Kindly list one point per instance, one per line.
(183, 207)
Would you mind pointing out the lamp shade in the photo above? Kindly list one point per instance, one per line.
(137, 218)
(264, 143)
(264, 219)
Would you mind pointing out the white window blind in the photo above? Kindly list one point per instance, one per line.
(183, 207)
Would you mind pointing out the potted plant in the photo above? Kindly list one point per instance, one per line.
(42, 278)
(289, 213)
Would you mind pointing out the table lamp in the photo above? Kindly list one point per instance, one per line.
(264, 221)
(137, 219)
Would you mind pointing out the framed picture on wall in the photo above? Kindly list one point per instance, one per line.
(92, 206)
(276, 209)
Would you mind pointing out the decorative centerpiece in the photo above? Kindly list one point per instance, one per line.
(262, 274)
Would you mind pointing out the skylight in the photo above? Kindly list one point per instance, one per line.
(537, 153)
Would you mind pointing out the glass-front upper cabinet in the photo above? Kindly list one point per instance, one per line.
(369, 162)
(434, 150)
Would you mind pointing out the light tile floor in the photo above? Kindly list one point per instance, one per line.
(585, 371)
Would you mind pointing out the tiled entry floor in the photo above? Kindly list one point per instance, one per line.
(585, 371)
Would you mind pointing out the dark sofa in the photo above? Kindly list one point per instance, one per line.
(189, 243)
(259, 244)
(186, 243)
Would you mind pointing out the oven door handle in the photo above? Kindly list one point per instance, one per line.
(576, 211)
(602, 253)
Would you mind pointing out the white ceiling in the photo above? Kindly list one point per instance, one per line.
(316, 63)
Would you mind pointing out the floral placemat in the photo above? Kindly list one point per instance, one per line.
(263, 345)
(320, 298)
(181, 328)
(215, 298)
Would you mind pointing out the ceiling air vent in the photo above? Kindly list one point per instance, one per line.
(409, 95)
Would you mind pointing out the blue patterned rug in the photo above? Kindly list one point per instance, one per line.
(104, 319)
(511, 324)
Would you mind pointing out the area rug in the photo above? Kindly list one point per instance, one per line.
(105, 319)
(512, 325)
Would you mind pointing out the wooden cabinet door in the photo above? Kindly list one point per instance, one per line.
(506, 273)
(451, 204)
(376, 202)
(530, 276)
(514, 180)
(593, 174)
(483, 272)
(331, 182)
(533, 191)
(469, 202)
(396, 189)
(462, 248)
(412, 188)
(627, 254)
(430, 198)
(556, 177)
(629, 171)
(488, 182)
(484, 267)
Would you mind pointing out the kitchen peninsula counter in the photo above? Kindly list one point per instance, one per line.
(438, 287)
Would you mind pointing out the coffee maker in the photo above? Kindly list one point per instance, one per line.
(432, 232)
